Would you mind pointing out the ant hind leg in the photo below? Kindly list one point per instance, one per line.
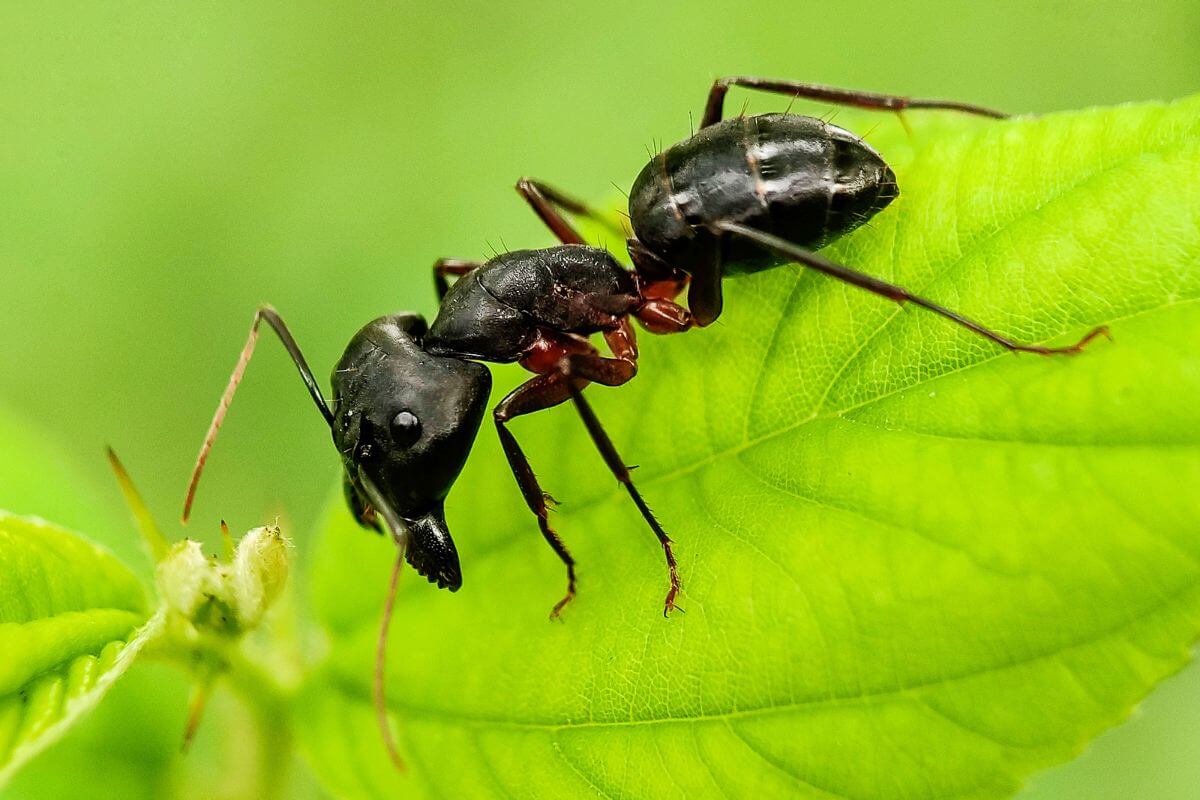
(713, 109)
(791, 252)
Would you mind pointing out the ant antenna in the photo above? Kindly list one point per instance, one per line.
(379, 688)
(400, 535)
(281, 330)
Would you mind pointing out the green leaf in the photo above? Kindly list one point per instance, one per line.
(69, 613)
(914, 565)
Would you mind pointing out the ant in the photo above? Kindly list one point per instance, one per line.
(742, 195)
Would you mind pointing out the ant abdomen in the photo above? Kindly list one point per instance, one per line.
(791, 176)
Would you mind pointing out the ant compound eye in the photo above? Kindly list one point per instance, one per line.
(406, 429)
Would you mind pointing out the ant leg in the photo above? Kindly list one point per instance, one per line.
(548, 203)
(546, 391)
(622, 341)
(579, 369)
(664, 316)
(539, 392)
(444, 267)
(847, 97)
(706, 297)
(660, 284)
(281, 330)
(787, 250)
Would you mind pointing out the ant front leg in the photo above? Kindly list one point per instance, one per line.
(578, 370)
(546, 390)
(444, 267)
(713, 109)
(549, 203)
(571, 373)
(540, 392)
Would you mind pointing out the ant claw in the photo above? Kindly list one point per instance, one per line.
(669, 604)
(1068, 350)
(1094, 333)
(551, 501)
(558, 607)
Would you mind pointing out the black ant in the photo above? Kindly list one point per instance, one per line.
(741, 195)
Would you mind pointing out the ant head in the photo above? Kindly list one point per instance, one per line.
(404, 422)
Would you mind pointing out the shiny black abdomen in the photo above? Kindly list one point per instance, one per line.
(792, 176)
(494, 312)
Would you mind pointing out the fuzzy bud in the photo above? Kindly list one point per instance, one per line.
(258, 573)
(186, 578)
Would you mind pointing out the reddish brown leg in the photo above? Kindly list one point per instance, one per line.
(660, 280)
(548, 203)
(579, 369)
(444, 267)
(542, 391)
(660, 283)
(664, 316)
(576, 366)
(791, 252)
(622, 340)
(846, 97)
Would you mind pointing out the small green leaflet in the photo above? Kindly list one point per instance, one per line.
(69, 617)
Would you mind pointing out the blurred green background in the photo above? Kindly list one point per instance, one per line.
(164, 168)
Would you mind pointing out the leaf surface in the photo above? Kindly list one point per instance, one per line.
(915, 566)
(69, 617)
